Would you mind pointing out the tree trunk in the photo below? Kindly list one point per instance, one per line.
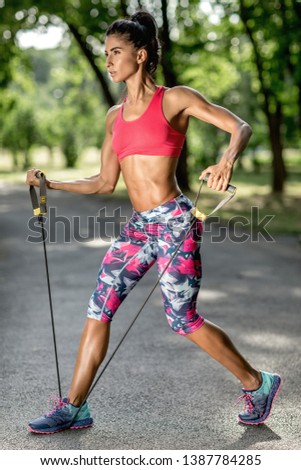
(27, 160)
(289, 21)
(88, 54)
(274, 119)
(182, 173)
(15, 160)
(279, 172)
(299, 105)
(124, 7)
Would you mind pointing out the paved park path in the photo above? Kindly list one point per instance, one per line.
(160, 391)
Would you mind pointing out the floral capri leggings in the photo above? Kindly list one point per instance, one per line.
(151, 236)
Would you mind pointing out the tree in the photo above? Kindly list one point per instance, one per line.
(197, 52)
(274, 31)
(18, 125)
(52, 101)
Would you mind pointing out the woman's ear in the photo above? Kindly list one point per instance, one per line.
(141, 56)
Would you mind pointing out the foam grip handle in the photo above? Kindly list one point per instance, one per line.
(39, 174)
(230, 187)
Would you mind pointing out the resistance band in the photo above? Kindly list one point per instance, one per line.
(40, 209)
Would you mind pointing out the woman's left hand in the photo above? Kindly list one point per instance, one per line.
(219, 175)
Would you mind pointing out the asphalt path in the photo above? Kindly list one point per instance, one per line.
(160, 391)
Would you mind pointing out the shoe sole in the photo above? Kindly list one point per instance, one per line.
(273, 395)
(54, 431)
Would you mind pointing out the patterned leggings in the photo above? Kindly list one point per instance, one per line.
(151, 236)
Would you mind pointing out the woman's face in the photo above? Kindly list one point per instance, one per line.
(121, 58)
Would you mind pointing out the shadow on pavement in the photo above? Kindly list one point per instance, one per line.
(253, 435)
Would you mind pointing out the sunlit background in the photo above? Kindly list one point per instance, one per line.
(243, 55)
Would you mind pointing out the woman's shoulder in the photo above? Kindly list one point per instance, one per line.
(112, 113)
(111, 116)
(179, 95)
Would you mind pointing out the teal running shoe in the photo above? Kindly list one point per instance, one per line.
(258, 403)
(63, 416)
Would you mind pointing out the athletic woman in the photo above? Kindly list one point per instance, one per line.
(144, 138)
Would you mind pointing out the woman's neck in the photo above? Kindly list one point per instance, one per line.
(139, 90)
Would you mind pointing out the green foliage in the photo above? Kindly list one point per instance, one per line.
(19, 130)
(275, 27)
(57, 104)
(210, 52)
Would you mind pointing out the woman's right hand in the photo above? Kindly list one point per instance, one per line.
(31, 178)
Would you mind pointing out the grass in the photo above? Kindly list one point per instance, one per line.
(253, 190)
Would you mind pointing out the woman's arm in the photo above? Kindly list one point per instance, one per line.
(102, 183)
(194, 104)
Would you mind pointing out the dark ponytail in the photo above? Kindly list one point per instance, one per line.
(142, 31)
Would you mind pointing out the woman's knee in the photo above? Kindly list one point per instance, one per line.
(95, 328)
(185, 326)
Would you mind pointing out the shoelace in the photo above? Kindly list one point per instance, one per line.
(248, 402)
(57, 404)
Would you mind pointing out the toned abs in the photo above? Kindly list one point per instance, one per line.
(150, 180)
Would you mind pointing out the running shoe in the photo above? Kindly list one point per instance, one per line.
(62, 416)
(258, 403)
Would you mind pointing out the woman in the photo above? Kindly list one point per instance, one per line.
(144, 138)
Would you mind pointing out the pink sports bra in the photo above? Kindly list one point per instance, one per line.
(150, 134)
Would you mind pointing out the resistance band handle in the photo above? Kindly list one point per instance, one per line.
(39, 206)
(230, 188)
(200, 215)
(39, 174)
